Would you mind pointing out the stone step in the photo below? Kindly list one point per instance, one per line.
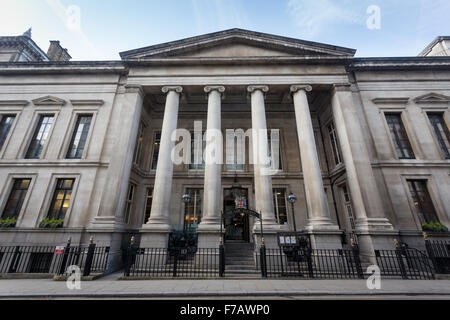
(240, 267)
(238, 262)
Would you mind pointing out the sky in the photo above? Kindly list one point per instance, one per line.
(100, 29)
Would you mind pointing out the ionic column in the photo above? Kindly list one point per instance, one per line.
(162, 192)
(212, 193)
(263, 179)
(319, 217)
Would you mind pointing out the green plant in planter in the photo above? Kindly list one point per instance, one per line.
(434, 227)
(8, 222)
(51, 223)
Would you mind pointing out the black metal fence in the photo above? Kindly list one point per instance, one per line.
(46, 259)
(310, 263)
(406, 263)
(439, 253)
(164, 263)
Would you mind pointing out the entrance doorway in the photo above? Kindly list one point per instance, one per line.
(236, 227)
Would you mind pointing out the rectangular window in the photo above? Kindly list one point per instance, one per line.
(16, 198)
(279, 201)
(138, 148)
(61, 199)
(6, 122)
(274, 146)
(148, 204)
(197, 159)
(399, 136)
(79, 137)
(235, 149)
(156, 143)
(334, 144)
(422, 201)
(441, 131)
(40, 136)
(193, 209)
(129, 203)
(348, 207)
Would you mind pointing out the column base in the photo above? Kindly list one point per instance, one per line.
(321, 224)
(270, 234)
(107, 223)
(154, 235)
(325, 238)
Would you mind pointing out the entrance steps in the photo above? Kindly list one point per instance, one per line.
(240, 260)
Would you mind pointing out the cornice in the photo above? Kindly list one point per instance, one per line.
(15, 103)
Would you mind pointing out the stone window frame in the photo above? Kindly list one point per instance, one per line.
(407, 124)
(7, 190)
(10, 111)
(31, 129)
(76, 112)
(134, 184)
(327, 135)
(288, 205)
(49, 192)
(154, 132)
(433, 191)
(146, 188)
(446, 113)
(343, 205)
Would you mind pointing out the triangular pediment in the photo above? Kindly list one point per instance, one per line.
(49, 101)
(236, 43)
(432, 98)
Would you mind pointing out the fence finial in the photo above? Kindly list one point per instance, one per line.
(425, 236)
(69, 240)
(132, 240)
(220, 241)
(262, 241)
(396, 243)
(91, 240)
(352, 242)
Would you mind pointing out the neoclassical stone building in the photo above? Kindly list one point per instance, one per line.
(363, 142)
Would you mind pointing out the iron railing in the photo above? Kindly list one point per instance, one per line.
(406, 263)
(310, 263)
(439, 253)
(44, 259)
(164, 263)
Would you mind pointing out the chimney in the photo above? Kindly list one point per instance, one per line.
(57, 53)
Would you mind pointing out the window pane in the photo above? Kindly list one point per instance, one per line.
(156, 143)
(441, 132)
(279, 200)
(61, 199)
(198, 145)
(39, 137)
(193, 209)
(138, 147)
(148, 204)
(422, 201)
(334, 144)
(274, 148)
(79, 137)
(399, 136)
(5, 125)
(16, 198)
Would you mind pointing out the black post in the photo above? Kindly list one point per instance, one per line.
(355, 250)
(221, 259)
(62, 268)
(430, 251)
(129, 257)
(308, 251)
(89, 258)
(263, 260)
(398, 253)
(293, 219)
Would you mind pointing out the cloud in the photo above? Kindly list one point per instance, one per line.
(313, 17)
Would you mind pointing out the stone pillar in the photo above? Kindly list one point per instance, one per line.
(209, 227)
(261, 168)
(155, 231)
(108, 226)
(319, 221)
(373, 228)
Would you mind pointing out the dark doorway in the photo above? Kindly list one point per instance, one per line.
(236, 227)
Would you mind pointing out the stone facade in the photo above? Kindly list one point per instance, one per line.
(232, 79)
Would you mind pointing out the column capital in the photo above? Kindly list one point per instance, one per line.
(263, 88)
(296, 87)
(208, 89)
(177, 89)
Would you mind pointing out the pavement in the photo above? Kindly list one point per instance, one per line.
(110, 287)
